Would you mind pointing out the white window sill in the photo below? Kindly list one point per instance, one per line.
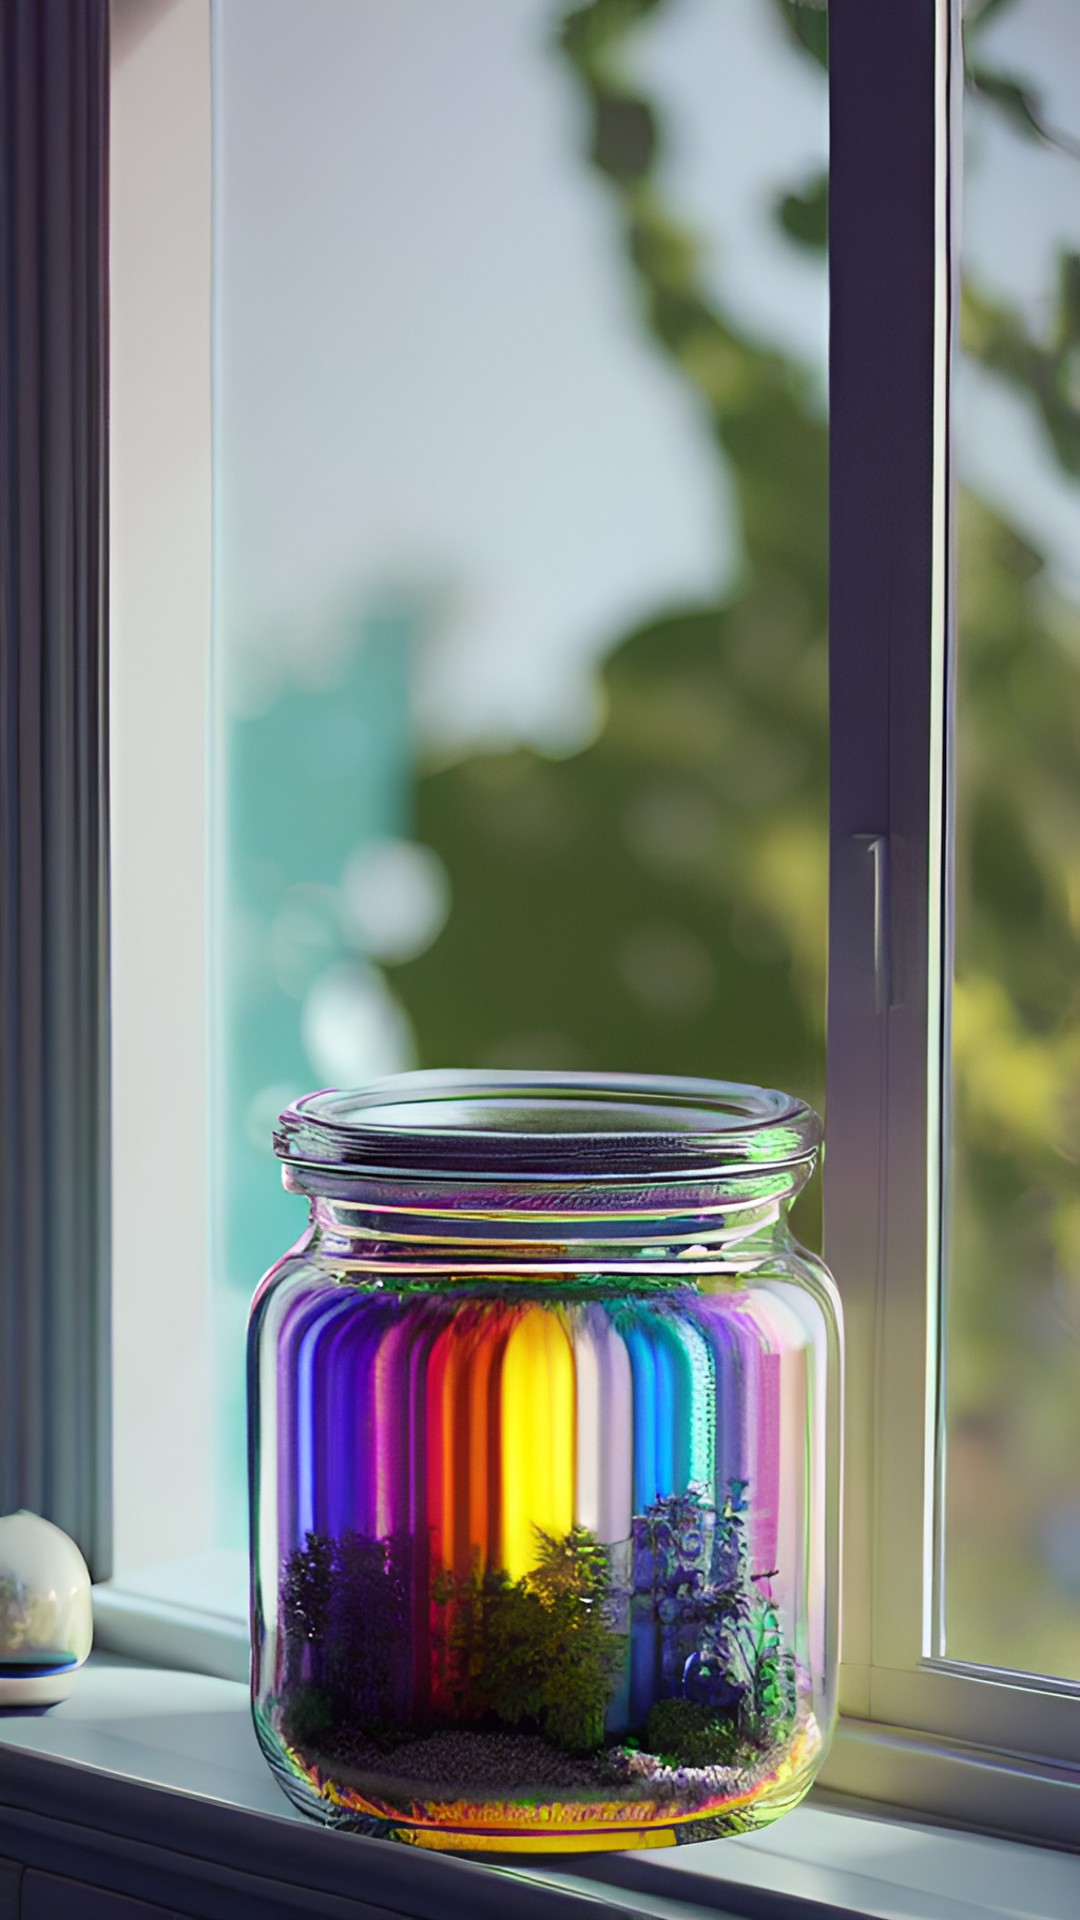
(190, 1614)
(131, 1731)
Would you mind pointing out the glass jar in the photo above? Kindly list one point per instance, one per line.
(544, 1463)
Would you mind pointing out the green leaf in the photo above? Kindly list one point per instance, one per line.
(807, 22)
(589, 34)
(624, 136)
(805, 216)
(1020, 105)
(973, 22)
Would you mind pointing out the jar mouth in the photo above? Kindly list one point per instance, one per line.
(558, 1129)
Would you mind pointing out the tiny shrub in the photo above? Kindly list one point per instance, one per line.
(685, 1734)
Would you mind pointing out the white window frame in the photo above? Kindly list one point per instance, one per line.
(160, 604)
(996, 1751)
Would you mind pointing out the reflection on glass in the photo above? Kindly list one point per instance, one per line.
(1012, 1454)
(521, 465)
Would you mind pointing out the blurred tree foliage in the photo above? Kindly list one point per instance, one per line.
(658, 900)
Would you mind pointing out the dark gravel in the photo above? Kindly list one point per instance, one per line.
(512, 1762)
(446, 1764)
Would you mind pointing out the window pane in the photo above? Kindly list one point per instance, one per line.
(1012, 1468)
(521, 484)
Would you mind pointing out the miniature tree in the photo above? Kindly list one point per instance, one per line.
(345, 1615)
(572, 1581)
(367, 1630)
(540, 1649)
(729, 1677)
(304, 1609)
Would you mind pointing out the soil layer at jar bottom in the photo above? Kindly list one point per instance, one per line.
(491, 1788)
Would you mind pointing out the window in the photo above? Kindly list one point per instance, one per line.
(508, 517)
(675, 827)
(520, 668)
(892, 1079)
(1010, 1582)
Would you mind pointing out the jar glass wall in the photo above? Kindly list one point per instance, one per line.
(544, 1423)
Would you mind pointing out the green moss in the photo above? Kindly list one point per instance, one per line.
(309, 1717)
(683, 1733)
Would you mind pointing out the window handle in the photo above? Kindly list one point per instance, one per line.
(877, 850)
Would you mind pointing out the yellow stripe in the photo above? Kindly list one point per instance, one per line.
(538, 1437)
(615, 1840)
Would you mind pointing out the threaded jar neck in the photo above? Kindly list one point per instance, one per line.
(559, 1170)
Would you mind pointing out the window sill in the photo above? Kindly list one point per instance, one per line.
(190, 1614)
(149, 1783)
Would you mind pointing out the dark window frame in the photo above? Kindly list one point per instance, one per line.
(54, 1080)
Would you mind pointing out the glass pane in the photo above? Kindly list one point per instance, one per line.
(521, 490)
(1012, 1473)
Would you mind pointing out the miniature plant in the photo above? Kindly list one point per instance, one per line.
(683, 1733)
(775, 1687)
(516, 1655)
(344, 1612)
(676, 1543)
(305, 1605)
(367, 1628)
(484, 1644)
(540, 1649)
(722, 1647)
(308, 1717)
(744, 1663)
(571, 1580)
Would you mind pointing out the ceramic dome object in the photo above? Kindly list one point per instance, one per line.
(46, 1615)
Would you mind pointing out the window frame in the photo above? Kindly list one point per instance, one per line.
(55, 1390)
(160, 607)
(994, 1748)
(995, 1751)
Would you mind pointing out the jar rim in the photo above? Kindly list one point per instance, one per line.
(468, 1125)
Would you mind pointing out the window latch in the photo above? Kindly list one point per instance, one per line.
(876, 846)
